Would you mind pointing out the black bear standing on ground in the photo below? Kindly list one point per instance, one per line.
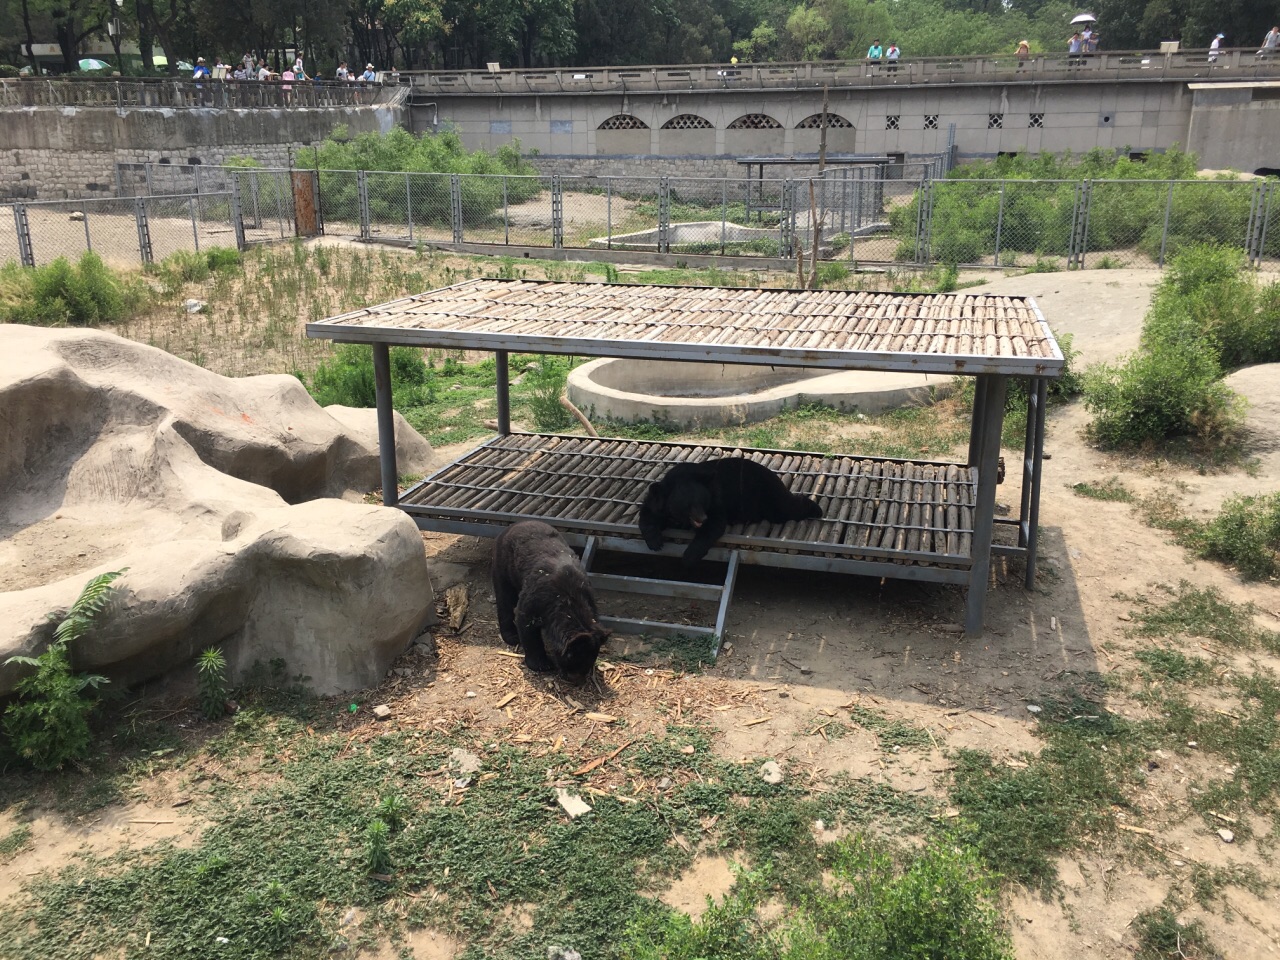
(544, 601)
(711, 495)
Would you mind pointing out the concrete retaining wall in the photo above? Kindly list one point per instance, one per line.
(58, 152)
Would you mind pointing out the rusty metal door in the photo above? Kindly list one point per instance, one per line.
(306, 213)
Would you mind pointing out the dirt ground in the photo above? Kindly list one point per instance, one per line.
(800, 645)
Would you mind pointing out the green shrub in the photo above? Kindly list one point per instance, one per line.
(60, 294)
(347, 378)
(1244, 534)
(546, 383)
(48, 724)
(1172, 391)
(1161, 936)
(211, 675)
(186, 266)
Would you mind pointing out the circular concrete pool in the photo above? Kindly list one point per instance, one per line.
(690, 394)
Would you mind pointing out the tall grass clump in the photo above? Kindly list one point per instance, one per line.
(60, 293)
(546, 383)
(1245, 534)
(1207, 317)
(347, 378)
(187, 266)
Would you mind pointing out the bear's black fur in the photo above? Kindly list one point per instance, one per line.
(711, 495)
(544, 601)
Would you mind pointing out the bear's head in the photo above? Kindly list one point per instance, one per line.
(578, 658)
(683, 504)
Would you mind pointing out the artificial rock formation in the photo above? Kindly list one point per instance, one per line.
(218, 494)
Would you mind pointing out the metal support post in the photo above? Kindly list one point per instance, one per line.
(1164, 236)
(88, 240)
(664, 215)
(984, 509)
(237, 213)
(724, 213)
(144, 230)
(199, 185)
(386, 424)
(455, 206)
(506, 219)
(608, 212)
(1266, 219)
(119, 181)
(1028, 528)
(23, 226)
(254, 192)
(195, 229)
(362, 189)
(408, 203)
(557, 212)
(979, 415)
(146, 170)
(503, 392)
(315, 197)
(995, 262)
(924, 222)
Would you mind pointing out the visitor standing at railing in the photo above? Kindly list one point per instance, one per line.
(1024, 53)
(1094, 37)
(263, 72)
(343, 73)
(1270, 43)
(287, 87)
(875, 52)
(1073, 48)
(1213, 47)
(201, 72)
(892, 54)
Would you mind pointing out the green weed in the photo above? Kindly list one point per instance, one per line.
(60, 294)
(1162, 936)
(1192, 612)
(15, 841)
(892, 734)
(211, 676)
(1165, 663)
(1245, 534)
(1111, 489)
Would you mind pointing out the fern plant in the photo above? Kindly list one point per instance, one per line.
(211, 671)
(377, 850)
(48, 724)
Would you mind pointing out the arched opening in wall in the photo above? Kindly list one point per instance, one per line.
(622, 134)
(687, 134)
(193, 161)
(623, 121)
(834, 122)
(1267, 172)
(688, 121)
(755, 121)
(809, 135)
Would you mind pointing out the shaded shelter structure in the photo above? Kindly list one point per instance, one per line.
(913, 519)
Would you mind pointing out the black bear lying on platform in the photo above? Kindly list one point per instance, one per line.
(544, 601)
(711, 495)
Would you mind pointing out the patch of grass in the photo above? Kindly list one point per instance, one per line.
(1192, 612)
(1112, 489)
(1208, 882)
(1023, 817)
(1165, 663)
(1245, 534)
(60, 293)
(286, 854)
(685, 652)
(1162, 936)
(938, 902)
(15, 841)
(893, 735)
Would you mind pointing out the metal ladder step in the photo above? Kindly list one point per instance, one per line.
(657, 587)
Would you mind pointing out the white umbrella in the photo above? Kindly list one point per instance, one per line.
(88, 63)
(1084, 18)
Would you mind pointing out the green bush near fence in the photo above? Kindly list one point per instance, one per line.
(1208, 316)
(60, 293)
(1129, 204)
(384, 155)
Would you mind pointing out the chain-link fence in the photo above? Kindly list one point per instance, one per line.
(122, 230)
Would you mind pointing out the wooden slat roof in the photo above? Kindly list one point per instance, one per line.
(966, 333)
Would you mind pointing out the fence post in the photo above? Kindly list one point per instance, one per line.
(146, 170)
(316, 194)
(1266, 217)
(608, 212)
(506, 218)
(664, 215)
(362, 190)
(119, 182)
(1253, 230)
(1164, 236)
(924, 222)
(195, 229)
(724, 212)
(455, 206)
(557, 212)
(199, 186)
(88, 241)
(144, 229)
(1079, 219)
(999, 226)
(408, 204)
(25, 253)
(253, 195)
(237, 214)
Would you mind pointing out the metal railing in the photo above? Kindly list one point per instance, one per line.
(223, 94)
(1237, 64)
(122, 230)
(854, 215)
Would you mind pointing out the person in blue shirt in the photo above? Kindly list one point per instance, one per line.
(201, 71)
(368, 76)
(876, 51)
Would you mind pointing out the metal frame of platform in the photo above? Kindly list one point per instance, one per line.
(988, 337)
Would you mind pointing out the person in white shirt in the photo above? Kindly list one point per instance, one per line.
(1213, 47)
(1271, 42)
(343, 73)
(263, 72)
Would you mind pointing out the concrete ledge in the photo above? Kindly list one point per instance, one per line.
(710, 395)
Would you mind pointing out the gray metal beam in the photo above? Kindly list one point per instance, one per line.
(386, 424)
(984, 509)
(504, 392)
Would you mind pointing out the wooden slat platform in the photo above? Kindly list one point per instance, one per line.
(902, 512)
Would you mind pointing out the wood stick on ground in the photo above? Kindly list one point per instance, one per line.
(582, 419)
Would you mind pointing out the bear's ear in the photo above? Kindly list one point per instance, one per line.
(656, 494)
